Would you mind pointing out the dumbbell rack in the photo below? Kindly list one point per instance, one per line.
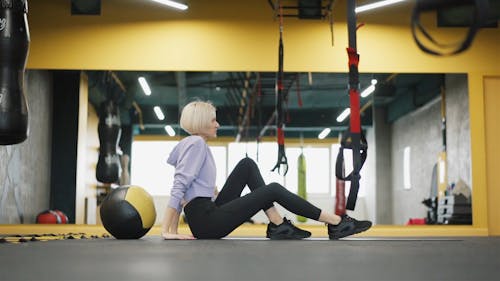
(454, 209)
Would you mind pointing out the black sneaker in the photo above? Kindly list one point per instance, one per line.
(286, 230)
(347, 226)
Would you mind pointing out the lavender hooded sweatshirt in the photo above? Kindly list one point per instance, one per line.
(195, 171)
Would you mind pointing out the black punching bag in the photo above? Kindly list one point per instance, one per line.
(14, 44)
(109, 129)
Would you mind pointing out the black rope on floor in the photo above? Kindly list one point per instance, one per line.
(24, 238)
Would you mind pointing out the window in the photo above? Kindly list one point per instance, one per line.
(219, 153)
(318, 167)
(150, 170)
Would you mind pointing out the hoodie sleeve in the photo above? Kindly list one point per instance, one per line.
(187, 168)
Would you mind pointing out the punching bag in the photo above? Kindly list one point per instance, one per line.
(301, 188)
(109, 129)
(14, 44)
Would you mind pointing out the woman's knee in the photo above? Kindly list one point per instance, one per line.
(276, 186)
(248, 161)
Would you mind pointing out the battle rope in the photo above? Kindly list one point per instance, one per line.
(354, 138)
(23, 238)
(282, 160)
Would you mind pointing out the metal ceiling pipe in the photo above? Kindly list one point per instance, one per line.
(232, 128)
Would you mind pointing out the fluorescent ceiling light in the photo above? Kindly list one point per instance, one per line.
(368, 91)
(145, 86)
(159, 113)
(324, 133)
(172, 4)
(406, 168)
(343, 115)
(170, 131)
(376, 5)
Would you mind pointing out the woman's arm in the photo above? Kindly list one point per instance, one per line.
(170, 224)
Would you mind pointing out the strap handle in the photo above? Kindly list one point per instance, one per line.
(349, 141)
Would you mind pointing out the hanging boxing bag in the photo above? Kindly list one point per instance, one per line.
(14, 44)
(301, 182)
(109, 128)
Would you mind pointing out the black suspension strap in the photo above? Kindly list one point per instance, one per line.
(354, 138)
(480, 18)
(282, 160)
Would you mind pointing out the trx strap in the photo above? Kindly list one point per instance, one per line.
(481, 8)
(282, 160)
(354, 138)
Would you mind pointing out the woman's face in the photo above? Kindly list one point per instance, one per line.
(211, 130)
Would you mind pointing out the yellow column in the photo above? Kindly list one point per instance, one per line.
(492, 115)
(478, 153)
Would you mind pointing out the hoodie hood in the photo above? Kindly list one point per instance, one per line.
(180, 148)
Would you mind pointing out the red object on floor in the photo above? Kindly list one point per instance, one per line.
(52, 217)
(416, 221)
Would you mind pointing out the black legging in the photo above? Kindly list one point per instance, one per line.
(213, 220)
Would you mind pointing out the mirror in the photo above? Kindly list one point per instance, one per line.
(417, 128)
(402, 120)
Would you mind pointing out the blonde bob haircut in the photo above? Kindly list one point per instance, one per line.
(196, 116)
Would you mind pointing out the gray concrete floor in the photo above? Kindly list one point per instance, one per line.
(151, 258)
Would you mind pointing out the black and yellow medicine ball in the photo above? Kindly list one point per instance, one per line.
(128, 212)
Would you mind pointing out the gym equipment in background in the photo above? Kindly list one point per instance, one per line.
(14, 46)
(354, 138)
(480, 17)
(454, 209)
(301, 183)
(109, 128)
(280, 99)
(52, 217)
(340, 188)
(128, 212)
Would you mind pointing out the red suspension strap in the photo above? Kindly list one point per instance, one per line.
(282, 160)
(354, 138)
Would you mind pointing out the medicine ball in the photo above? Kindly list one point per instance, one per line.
(128, 212)
(51, 216)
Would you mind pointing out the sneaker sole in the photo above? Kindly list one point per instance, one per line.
(345, 234)
(287, 237)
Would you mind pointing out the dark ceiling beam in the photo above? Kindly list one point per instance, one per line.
(86, 7)
(304, 9)
(287, 129)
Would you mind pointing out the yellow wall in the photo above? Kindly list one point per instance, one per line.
(492, 104)
(225, 35)
(240, 36)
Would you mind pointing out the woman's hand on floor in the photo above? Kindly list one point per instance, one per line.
(176, 236)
